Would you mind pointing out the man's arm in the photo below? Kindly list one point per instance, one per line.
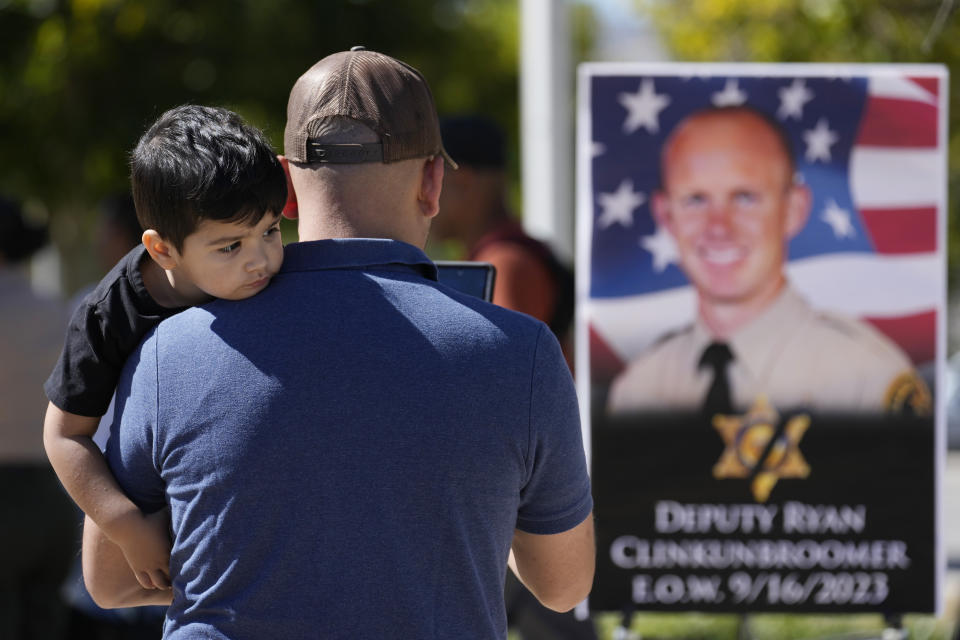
(553, 542)
(556, 568)
(107, 575)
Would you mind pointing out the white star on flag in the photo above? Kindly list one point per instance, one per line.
(839, 220)
(643, 108)
(792, 99)
(819, 140)
(731, 96)
(619, 205)
(597, 149)
(662, 247)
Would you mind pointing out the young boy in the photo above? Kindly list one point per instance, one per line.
(209, 191)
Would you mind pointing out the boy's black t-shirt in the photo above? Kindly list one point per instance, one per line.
(103, 331)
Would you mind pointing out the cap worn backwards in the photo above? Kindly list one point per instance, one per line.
(387, 95)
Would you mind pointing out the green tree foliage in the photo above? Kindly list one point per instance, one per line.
(81, 79)
(901, 31)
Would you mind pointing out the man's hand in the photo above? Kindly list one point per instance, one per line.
(145, 542)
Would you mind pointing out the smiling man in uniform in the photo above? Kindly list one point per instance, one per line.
(731, 201)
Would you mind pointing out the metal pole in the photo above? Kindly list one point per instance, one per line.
(546, 125)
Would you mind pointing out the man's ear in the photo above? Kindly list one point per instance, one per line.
(431, 183)
(290, 209)
(660, 206)
(799, 201)
(160, 250)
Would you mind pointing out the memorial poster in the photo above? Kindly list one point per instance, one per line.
(761, 309)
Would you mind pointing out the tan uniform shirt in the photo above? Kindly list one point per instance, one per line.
(793, 355)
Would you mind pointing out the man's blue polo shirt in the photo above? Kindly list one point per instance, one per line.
(347, 454)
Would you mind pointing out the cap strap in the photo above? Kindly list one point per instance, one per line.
(344, 153)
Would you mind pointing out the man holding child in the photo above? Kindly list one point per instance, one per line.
(356, 450)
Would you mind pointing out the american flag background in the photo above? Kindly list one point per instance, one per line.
(868, 140)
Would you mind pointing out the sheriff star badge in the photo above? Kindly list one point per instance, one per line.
(760, 447)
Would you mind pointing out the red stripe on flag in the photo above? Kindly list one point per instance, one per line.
(930, 84)
(902, 230)
(604, 363)
(891, 122)
(916, 334)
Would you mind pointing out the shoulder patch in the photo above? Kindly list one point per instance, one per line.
(908, 393)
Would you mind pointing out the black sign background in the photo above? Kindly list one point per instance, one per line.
(886, 464)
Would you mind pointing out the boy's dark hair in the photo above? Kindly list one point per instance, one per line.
(203, 163)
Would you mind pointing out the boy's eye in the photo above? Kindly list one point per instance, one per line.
(274, 229)
(230, 248)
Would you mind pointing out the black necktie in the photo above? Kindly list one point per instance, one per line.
(716, 357)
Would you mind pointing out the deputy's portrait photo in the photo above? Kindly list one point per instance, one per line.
(739, 256)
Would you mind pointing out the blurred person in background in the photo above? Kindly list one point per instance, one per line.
(475, 213)
(39, 530)
(530, 279)
(118, 230)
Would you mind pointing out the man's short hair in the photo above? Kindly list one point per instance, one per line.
(783, 139)
(203, 163)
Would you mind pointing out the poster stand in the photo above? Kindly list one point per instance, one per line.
(622, 632)
(685, 523)
(893, 627)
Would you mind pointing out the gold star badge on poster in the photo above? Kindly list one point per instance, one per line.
(754, 447)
